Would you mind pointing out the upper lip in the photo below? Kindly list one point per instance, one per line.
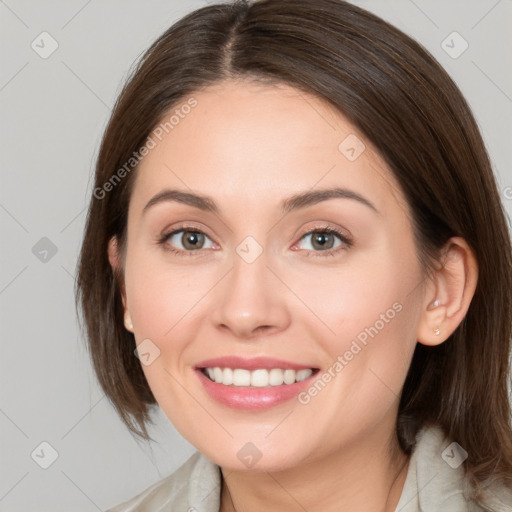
(254, 363)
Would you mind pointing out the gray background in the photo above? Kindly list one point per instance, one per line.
(53, 112)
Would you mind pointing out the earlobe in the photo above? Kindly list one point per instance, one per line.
(128, 321)
(449, 296)
(432, 329)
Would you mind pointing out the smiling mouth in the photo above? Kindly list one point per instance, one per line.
(239, 377)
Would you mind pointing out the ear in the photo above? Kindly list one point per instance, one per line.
(114, 257)
(449, 293)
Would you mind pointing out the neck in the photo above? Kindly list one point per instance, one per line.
(369, 478)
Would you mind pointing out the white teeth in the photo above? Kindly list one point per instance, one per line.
(276, 377)
(303, 374)
(227, 376)
(240, 378)
(257, 378)
(217, 375)
(289, 376)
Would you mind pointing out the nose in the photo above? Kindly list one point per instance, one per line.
(250, 301)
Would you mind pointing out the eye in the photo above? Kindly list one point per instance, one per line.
(187, 240)
(192, 240)
(323, 240)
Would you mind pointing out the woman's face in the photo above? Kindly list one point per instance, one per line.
(256, 275)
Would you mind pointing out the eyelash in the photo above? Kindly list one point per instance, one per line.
(309, 253)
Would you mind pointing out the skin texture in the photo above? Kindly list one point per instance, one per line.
(248, 146)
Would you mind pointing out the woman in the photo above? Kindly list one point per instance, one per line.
(296, 248)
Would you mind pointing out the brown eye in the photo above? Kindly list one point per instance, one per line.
(324, 240)
(185, 240)
(192, 240)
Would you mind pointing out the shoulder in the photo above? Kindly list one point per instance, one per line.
(436, 478)
(193, 487)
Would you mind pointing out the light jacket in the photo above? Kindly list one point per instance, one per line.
(434, 483)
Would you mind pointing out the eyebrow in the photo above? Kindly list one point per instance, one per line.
(295, 202)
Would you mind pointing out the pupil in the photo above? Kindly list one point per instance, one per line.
(321, 239)
(191, 239)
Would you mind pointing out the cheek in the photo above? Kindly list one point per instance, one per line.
(160, 295)
(362, 381)
(372, 317)
(358, 295)
(165, 305)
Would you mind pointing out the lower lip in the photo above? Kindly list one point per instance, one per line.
(251, 399)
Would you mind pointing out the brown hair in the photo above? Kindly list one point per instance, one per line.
(401, 99)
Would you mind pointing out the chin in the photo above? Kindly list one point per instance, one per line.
(249, 458)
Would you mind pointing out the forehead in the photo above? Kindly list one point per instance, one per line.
(258, 143)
